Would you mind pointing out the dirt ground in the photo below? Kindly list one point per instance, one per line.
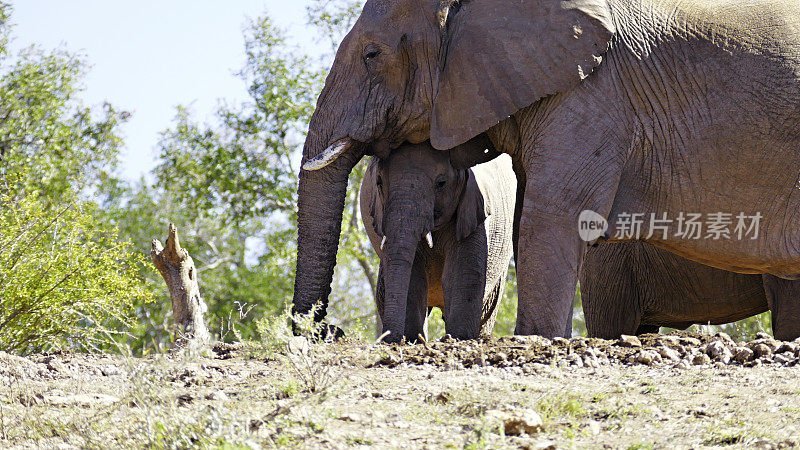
(674, 391)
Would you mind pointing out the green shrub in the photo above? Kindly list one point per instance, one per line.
(66, 282)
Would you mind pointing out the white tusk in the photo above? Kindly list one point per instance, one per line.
(380, 338)
(429, 237)
(383, 242)
(329, 155)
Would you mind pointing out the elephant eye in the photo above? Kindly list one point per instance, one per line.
(441, 181)
(371, 53)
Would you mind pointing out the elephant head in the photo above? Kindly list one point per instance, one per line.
(428, 69)
(417, 190)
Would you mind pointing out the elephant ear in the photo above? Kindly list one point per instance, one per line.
(499, 56)
(471, 210)
(477, 150)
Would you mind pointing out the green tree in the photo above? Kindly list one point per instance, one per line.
(66, 281)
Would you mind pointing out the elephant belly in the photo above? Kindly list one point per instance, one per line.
(728, 302)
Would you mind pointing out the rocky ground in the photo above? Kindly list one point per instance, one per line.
(654, 391)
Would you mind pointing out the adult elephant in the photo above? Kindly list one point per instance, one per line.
(616, 106)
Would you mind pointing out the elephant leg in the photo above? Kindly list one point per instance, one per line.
(610, 292)
(783, 298)
(417, 306)
(464, 283)
(550, 250)
(380, 299)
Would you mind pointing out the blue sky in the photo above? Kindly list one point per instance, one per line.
(148, 56)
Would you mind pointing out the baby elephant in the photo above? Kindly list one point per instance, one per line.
(444, 236)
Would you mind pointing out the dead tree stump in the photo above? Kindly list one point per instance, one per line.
(178, 270)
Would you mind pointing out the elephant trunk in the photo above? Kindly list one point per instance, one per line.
(320, 204)
(403, 233)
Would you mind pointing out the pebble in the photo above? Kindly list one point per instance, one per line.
(543, 445)
(761, 350)
(560, 341)
(669, 354)
(515, 423)
(686, 340)
(575, 360)
(629, 341)
(789, 347)
(671, 341)
(742, 354)
(724, 337)
(648, 357)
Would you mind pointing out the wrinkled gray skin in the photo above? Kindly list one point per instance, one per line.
(415, 190)
(635, 288)
(618, 106)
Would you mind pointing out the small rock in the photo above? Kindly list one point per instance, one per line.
(351, 417)
(594, 427)
(713, 349)
(763, 335)
(671, 341)
(560, 341)
(524, 421)
(442, 398)
(629, 341)
(219, 396)
(772, 344)
(788, 347)
(648, 357)
(498, 357)
(544, 445)
(742, 354)
(701, 359)
(452, 364)
(669, 354)
(686, 340)
(762, 350)
(725, 337)
(592, 352)
(762, 443)
(719, 352)
(575, 360)
(782, 359)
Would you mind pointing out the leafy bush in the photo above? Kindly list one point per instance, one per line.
(65, 280)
